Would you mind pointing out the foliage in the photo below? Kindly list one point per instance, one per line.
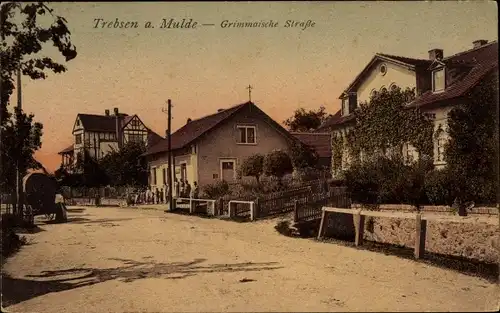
(216, 190)
(303, 156)
(471, 153)
(91, 172)
(22, 40)
(386, 124)
(126, 166)
(253, 166)
(21, 137)
(388, 180)
(439, 188)
(337, 150)
(304, 121)
(277, 163)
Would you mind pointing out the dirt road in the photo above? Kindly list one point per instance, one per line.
(124, 260)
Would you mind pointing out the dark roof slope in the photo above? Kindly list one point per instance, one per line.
(481, 61)
(103, 123)
(411, 61)
(336, 119)
(66, 150)
(320, 142)
(194, 129)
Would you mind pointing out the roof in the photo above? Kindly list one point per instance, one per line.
(336, 119)
(320, 142)
(196, 128)
(103, 123)
(193, 130)
(478, 62)
(66, 150)
(409, 62)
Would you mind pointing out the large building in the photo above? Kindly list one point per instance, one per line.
(101, 134)
(441, 83)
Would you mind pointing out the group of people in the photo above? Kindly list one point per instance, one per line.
(182, 189)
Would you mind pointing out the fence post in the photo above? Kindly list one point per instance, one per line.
(295, 211)
(359, 228)
(252, 211)
(420, 234)
(256, 208)
(191, 206)
(322, 224)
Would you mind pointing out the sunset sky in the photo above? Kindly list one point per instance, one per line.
(207, 68)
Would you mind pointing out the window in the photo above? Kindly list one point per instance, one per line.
(345, 106)
(135, 123)
(393, 87)
(77, 122)
(134, 137)
(78, 139)
(441, 143)
(383, 89)
(373, 93)
(383, 69)
(410, 153)
(246, 134)
(154, 175)
(438, 80)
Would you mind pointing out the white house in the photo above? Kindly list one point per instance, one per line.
(440, 82)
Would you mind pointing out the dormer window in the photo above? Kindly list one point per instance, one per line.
(438, 80)
(345, 106)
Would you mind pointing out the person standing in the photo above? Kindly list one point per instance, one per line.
(194, 191)
(187, 189)
(182, 188)
(177, 188)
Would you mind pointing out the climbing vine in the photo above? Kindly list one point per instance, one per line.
(337, 149)
(385, 123)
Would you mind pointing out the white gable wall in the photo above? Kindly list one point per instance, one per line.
(396, 74)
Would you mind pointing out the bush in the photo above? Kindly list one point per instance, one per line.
(438, 187)
(362, 183)
(277, 164)
(216, 190)
(253, 166)
(11, 242)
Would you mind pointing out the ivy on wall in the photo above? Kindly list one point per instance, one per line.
(385, 124)
(337, 150)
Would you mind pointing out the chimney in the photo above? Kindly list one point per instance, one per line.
(436, 54)
(479, 43)
(118, 128)
(106, 112)
(188, 121)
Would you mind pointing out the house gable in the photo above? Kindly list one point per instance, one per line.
(134, 123)
(78, 125)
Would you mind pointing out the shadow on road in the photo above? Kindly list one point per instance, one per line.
(16, 290)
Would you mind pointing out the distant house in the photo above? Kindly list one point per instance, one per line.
(441, 83)
(101, 134)
(321, 143)
(211, 148)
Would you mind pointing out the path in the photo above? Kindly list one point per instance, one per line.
(123, 259)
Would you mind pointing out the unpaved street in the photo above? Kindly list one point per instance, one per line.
(124, 259)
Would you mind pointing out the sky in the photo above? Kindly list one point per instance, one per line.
(209, 67)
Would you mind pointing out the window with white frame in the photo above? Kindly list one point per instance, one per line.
(246, 134)
(441, 145)
(78, 139)
(135, 138)
(345, 106)
(410, 153)
(438, 80)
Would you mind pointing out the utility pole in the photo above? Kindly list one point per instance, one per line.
(19, 195)
(169, 153)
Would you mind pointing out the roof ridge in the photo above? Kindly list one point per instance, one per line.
(399, 56)
(471, 50)
(223, 110)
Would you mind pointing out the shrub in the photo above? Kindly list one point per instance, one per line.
(277, 164)
(216, 190)
(363, 183)
(11, 242)
(253, 166)
(438, 187)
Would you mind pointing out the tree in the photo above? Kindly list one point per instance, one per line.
(471, 152)
(22, 40)
(304, 121)
(303, 156)
(126, 166)
(253, 166)
(278, 164)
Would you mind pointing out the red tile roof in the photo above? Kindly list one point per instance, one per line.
(320, 142)
(66, 150)
(480, 61)
(336, 119)
(194, 129)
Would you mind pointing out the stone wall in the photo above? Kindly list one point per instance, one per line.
(473, 240)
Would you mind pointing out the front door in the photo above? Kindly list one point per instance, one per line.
(183, 172)
(228, 168)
